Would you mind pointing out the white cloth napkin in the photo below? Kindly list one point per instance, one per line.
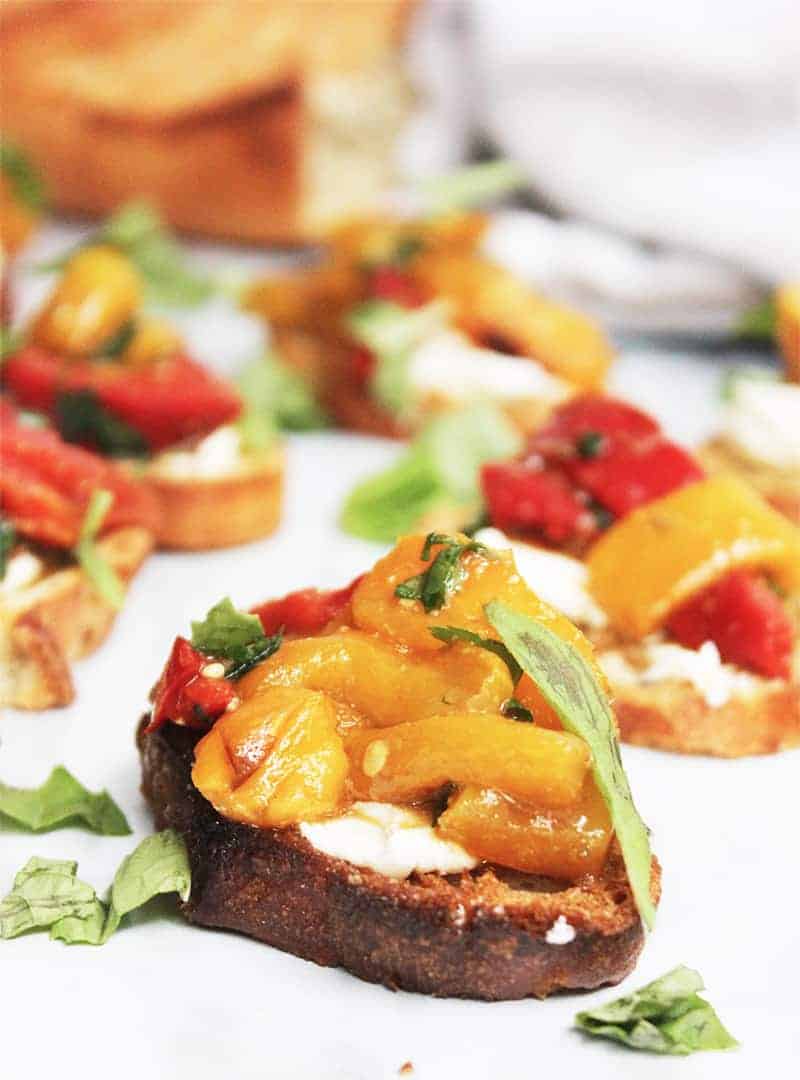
(672, 124)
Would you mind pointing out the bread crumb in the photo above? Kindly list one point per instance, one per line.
(406, 1069)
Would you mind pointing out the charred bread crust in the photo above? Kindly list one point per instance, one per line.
(57, 619)
(478, 935)
(201, 513)
(780, 487)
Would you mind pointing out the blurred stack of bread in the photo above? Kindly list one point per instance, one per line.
(243, 119)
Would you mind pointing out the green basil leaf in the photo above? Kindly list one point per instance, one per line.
(48, 892)
(235, 636)
(62, 800)
(442, 577)
(158, 865)
(456, 633)
(117, 343)
(44, 891)
(517, 711)
(100, 572)
(80, 417)
(758, 323)
(25, 181)
(568, 685)
(441, 467)
(11, 341)
(278, 396)
(665, 1017)
(470, 186)
(8, 537)
(137, 230)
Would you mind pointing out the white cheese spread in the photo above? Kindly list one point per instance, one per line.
(716, 682)
(22, 569)
(218, 454)
(394, 840)
(762, 420)
(447, 363)
(558, 579)
(560, 933)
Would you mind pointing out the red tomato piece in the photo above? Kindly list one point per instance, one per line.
(362, 363)
(388, 282)
(306, 611)
(596, 414)
(46, 485)
(183, 696)
(166, 401)
(523, 498)
(746, 621)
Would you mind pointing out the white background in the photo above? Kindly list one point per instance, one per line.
(163, 999)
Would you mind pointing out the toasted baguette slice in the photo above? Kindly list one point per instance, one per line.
(477, 935)
(59, 618)
(203, 512)
(780, 487)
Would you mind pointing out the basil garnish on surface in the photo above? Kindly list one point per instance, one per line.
(568, 685)
(275, 396)
(62, 800)
(456, 633)
(47, 893)
(100, 572)
(235, 636)
(433, 586)
(116, 344)
(471, 185)
(22, 176)
(8, 537)
(665, 1017)
(517, 711)
(80, 417)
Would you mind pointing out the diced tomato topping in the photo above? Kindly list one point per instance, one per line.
(388, 282)
(183, 696)
(629, 474)
(166, 401)
(306, 611)
(746, 621)
(46, 485)
(596, 413)
(519, 496)
(362, 361)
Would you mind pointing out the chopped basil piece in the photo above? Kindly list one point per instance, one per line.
(590, 444)
(102, 575)
(10, 342)
(277, 396)
(8, 536)
(435, 584)
(234, 636)
(456, 633)
(137, 230)
(517, 711)
(441, 467)
(81, 418)
(569, 686)
(603, 518)
(472, 185)
(115, 345)
(758, 323)
(406, 248)
(62, 800)
(22, 176)
(665, 1017)
(48, 894)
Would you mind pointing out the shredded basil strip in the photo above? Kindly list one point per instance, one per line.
(456, 633)
(517, 711)
(568, 684)
(22, 176)
(665, 1017)
(8, 537)
(116, 344)
(234, 636)
(80, 417)
(435, 584)
(100, 572)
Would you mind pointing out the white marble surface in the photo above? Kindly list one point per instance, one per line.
(166, 1000)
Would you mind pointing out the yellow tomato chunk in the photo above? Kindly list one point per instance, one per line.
(787, 309)
(563, 843)
(276, 760)
(99, 291)
(411, 761)
(383, 683)
(649, 563)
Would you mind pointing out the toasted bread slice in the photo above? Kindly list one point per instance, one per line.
(780, 487)
(58, 618)
(203, 512)
(481, 934)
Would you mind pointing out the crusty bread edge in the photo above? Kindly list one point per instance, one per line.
(57, 619)
(471, 936)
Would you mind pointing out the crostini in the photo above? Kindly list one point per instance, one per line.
(760, 435)
(74, 529)
(688, 584)
(404, 319)
(120, 383)
(396, 778)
